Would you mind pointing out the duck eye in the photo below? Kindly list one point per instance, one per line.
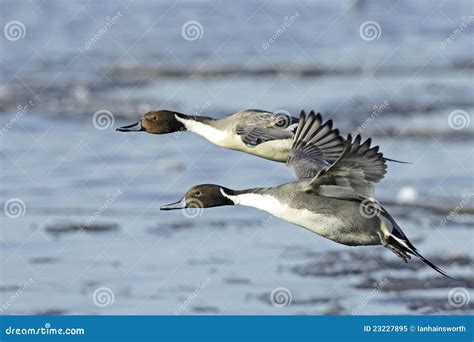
(197, 193)
(154, 118)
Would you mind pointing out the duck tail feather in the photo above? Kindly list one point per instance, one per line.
(397, 161)
(430, 264)
(398, 243)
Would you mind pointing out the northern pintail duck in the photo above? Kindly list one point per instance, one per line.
(262, 133)
(333, 197)
(265, 134)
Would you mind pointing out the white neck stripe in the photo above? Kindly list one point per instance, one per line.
(183, 121)
(232, 198)
(204, 130)
(264, 202)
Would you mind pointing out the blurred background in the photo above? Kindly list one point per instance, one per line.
(81, 231)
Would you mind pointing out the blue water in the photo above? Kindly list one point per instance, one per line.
(226, 260)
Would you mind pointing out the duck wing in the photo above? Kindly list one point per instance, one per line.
(316, 146)
(256, 127)
(353, 174)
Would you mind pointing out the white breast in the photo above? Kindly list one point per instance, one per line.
(321, 224)
(276, 150)
(263, 202)
(210, 133)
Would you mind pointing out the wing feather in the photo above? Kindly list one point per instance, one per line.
(316, 145)
(259, 126)
(356, 171)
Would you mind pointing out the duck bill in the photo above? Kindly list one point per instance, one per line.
(181, 204)
(136, 127)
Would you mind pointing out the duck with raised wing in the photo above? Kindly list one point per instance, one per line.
(265, 134)
(262, 133)
(333, 196)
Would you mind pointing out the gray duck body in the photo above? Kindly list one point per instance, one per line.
(338, 220)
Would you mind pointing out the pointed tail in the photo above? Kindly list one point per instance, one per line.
(430, 264)
(398, 243)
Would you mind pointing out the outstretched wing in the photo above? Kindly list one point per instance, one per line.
(354, 173)
(315, 146)
(258, 126)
